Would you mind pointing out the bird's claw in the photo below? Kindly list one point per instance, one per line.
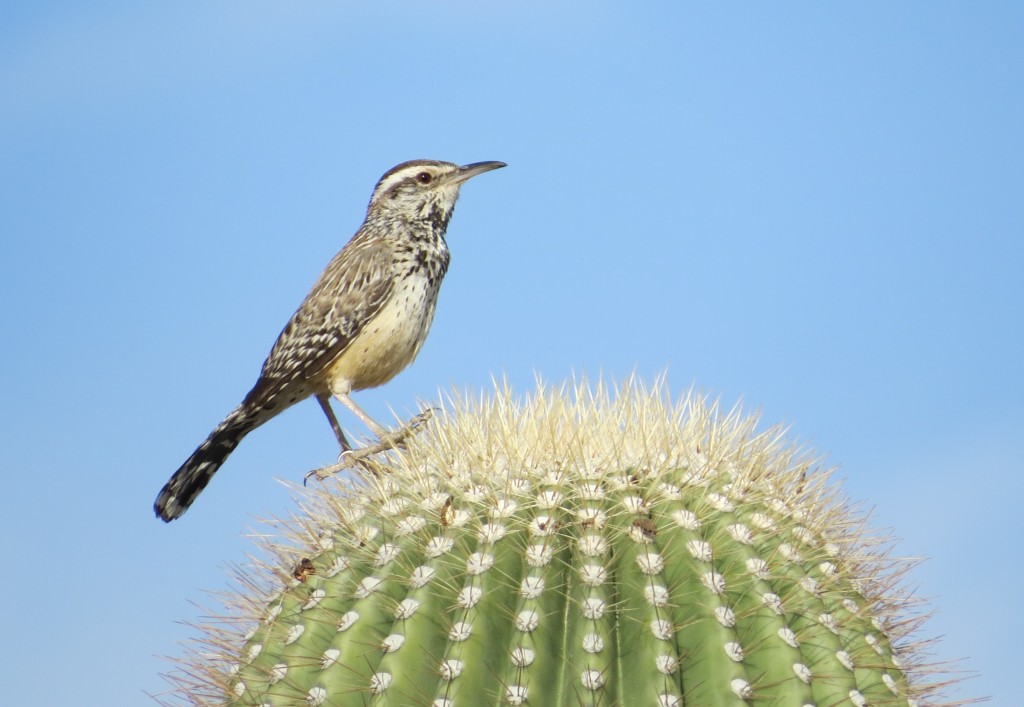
(361, 457)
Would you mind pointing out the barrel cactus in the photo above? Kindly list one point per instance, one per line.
(576, 547)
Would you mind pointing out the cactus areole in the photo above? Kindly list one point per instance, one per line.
(576, 547)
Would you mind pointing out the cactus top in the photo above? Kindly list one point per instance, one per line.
(575, 547)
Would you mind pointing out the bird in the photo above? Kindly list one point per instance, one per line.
(364, 320)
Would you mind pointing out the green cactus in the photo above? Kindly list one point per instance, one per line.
(575, 548)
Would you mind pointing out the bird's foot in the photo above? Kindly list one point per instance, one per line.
(362, 456)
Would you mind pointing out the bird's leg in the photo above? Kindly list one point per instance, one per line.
(348, 402)
(325, 405)
(386, 440)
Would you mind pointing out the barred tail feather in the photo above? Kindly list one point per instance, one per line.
(192, 477)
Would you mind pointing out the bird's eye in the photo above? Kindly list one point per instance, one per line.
(424, 177)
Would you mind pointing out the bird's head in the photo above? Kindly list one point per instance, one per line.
(423, 190)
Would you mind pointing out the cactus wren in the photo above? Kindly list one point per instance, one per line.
(364, 320)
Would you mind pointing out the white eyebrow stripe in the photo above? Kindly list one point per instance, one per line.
(393, 179)
(400, 176)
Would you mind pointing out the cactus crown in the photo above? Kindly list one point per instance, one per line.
(575, 547)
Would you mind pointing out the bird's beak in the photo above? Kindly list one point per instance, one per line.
(468, 171)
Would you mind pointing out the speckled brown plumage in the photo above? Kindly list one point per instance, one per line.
(364, 320)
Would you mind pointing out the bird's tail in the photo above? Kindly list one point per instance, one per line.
(192, 477)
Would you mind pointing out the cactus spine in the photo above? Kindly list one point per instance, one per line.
(575, 548)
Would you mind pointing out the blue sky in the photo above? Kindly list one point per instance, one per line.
(815, 209)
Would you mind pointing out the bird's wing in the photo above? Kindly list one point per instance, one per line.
(349, 293)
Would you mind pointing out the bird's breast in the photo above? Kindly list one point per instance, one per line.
(389, 341)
